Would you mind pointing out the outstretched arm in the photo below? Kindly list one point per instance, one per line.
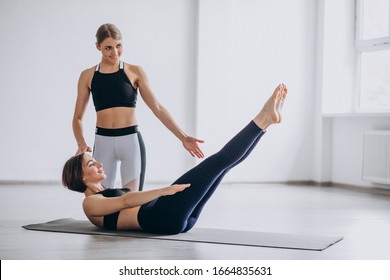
(189, 143)
(98, 205)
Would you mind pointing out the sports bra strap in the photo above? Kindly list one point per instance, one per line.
(121, 66)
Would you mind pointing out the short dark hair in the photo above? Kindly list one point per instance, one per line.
(72, 174)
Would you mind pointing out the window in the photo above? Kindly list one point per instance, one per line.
(373, 45)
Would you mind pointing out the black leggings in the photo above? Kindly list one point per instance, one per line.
(179, 212)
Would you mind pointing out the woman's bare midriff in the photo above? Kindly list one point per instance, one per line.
(117, 117)
(128, 219)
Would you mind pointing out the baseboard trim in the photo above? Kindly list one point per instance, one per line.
(29, 182)
(365, 189)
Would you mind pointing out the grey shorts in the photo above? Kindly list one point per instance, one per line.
(123, 147)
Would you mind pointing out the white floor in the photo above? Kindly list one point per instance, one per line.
(363, 218)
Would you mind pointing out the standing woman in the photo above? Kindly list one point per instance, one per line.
(114, 86)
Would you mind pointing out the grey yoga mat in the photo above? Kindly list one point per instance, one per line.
(203, 235)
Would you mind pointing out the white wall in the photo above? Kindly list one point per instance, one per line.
(245, 49)
(213, 63)
(339, 61)
(347, 147)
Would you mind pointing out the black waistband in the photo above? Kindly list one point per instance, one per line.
(116, 131)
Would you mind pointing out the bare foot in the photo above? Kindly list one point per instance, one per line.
(279, 104)
(270, 113)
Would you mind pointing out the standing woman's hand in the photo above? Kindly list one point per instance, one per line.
(83, 149)
(191, 145)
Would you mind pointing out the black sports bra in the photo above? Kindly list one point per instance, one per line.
(112, 89)
(110, 221)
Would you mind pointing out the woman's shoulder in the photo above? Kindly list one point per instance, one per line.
(88, 72)
(135, 73)
(135, 69)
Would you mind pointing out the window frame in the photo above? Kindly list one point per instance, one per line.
(364, 46)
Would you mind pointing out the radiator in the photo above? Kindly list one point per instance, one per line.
(376, 156)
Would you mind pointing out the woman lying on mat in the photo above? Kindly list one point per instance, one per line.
(173, 209)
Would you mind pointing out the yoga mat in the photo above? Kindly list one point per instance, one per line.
(203, 235)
